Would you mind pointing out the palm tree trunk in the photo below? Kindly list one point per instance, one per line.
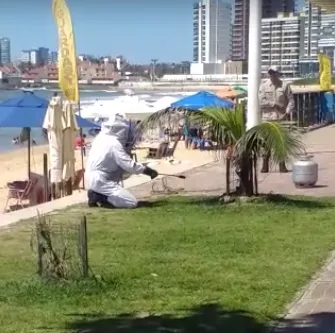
(255, 175)
(246, 176)
(228, 176)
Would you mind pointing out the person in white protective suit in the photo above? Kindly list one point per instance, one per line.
(109, 159)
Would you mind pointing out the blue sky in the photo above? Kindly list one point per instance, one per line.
(137, 29)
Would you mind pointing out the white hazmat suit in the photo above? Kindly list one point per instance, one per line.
(109, 160)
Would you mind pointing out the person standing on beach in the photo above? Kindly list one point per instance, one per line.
(276, 104)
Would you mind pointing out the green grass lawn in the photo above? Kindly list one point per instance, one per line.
(184, 265)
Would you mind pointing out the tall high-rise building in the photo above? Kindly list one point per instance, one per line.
(5, 51)
(282, 43)
(271, 8)
(43, 56)
(240, 41)
(29, 57)
(36, 57)
(53, 57)
(241, 30)
(312, 16)
(319, 38)
(25, 56)
(326, 43)
(211, 31)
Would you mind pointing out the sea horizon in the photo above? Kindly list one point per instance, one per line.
(87, 97)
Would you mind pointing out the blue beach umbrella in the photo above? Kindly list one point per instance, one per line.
(201, 100)
(26, 110)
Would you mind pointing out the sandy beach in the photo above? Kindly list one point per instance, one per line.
(14, 164)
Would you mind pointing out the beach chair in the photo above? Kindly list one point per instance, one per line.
(169, 152)
(202, 144)
(20, 191)
(158, 153)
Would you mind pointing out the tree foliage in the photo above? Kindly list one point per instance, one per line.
(239, 146)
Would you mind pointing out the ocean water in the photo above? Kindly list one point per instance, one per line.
(87, 98)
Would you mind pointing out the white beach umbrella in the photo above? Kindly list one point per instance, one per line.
(70, 129)
(53, 124)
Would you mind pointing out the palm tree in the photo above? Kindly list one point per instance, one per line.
(241, 147)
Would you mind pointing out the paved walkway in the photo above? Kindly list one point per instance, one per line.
(314, 310)
(321, 144)
(80, 196)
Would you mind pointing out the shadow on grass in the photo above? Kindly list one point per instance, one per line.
(295, 202)
(206, 318)
(274, 199)
(152, 204)
(209, 318)
(141, 204)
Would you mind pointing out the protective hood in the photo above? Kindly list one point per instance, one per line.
(123, 130)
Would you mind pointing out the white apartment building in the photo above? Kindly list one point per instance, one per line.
(212, 31)
(326, 43)
(29, 56)
(312, 15)
(282, 43)
(319, 37)
(33, 57)
(319, 30)
(53, 57)
(25, 56)
(309, 63)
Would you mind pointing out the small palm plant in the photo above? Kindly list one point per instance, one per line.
(243, 147)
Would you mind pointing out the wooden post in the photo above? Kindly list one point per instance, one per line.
(82, 152)
(299, 110)
(39, 250)
(68, 187)
(303, 110)
(83, 246)
(46, 177)
(29, 152)
(319, 114)
(310, 112)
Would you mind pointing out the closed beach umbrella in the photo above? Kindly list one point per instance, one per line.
(54, 125)
(70, 129)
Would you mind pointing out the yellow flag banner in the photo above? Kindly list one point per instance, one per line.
(325, 72)
(67, 61)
